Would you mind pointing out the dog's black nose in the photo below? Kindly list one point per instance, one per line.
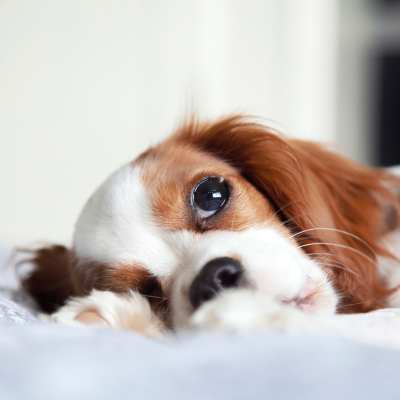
(216, 275)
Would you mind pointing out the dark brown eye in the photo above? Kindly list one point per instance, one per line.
(209, 196)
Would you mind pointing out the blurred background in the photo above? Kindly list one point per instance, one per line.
(86, 85)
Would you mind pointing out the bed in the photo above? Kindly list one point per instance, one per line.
(42, 361)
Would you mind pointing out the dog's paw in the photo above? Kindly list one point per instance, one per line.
(121, 311)
(248, 311)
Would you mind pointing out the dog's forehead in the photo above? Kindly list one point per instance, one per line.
(178, 162)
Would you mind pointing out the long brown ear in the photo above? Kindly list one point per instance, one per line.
(49, 282)
(337, 209)
(362, 202)
(364, 198)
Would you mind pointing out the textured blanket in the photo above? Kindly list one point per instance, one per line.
(41, 361)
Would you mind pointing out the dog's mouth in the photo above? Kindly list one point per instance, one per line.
(225, 273)
(305, 298)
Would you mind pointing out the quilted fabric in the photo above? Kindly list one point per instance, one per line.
(11, 312)
(40, 361)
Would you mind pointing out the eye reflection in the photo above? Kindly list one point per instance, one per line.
(209, 196)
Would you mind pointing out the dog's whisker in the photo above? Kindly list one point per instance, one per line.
(356, 304)
(154, 297)
(344, 267)
(276, 214)
(286, 222)
(330, 255)
(339, 231)
(343, 247)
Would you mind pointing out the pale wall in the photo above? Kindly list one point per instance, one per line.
(87, 85)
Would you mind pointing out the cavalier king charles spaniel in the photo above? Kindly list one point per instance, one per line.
(229, 226)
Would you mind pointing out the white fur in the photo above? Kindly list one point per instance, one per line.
(243, 311)
(122, 311)
(247, 311)
(117, 226)
(273, 266)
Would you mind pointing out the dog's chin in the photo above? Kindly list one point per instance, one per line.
(244, 310)
(315, 298)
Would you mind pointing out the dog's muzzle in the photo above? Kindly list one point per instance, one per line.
(217, 275)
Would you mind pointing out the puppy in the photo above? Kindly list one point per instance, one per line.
(228, 225)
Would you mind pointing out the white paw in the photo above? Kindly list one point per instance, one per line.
(248, 311)
(122, 311)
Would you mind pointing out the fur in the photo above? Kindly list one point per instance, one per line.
(308, 225)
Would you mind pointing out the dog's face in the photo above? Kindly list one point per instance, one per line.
(231, 205)
(198, 227)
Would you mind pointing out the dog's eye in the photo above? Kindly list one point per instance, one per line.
(209, 196)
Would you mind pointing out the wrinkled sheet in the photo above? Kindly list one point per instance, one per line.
(41, 361)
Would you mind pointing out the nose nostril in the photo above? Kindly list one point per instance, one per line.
(228, 277)
(207, 295)
(218, 274)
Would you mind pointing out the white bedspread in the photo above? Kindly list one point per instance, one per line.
(40, 361)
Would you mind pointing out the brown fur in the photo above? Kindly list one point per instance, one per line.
(170, 173)
(50, 282)
(58, 275)
(312, 188)
(305, 185)
(120, 278)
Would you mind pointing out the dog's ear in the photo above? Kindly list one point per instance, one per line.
(49, 281)
(391, 213)
(319, 195)
(361, 197)
(361, 201)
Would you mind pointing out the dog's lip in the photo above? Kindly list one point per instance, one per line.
(304, 299)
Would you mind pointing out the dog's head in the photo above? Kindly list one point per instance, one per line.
(225, 205)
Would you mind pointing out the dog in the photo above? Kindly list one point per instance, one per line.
(228, 225)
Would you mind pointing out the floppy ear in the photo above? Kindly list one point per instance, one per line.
(337, 210)
(49, 282)
(57, 275)
(359, 196)
(361, 201)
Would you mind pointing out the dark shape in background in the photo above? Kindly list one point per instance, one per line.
(390, 1)
(388, 127)
(387, 101)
